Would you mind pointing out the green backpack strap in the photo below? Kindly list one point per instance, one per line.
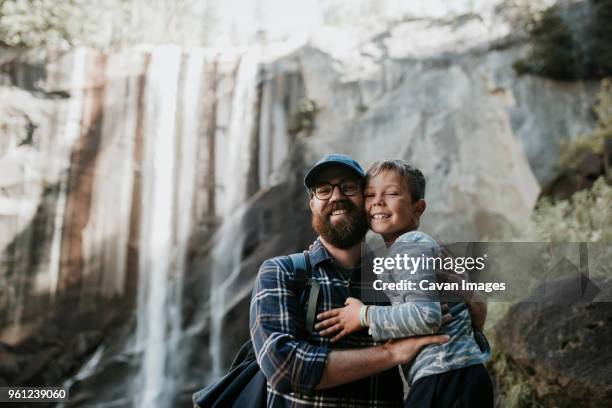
(303, 277)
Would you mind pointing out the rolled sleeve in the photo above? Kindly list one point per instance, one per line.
(289, 363)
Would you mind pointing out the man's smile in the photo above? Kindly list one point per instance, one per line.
(339, 212)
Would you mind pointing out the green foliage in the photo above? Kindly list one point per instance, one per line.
(553, 51)
(586, 216)
(513, 383)
(601, 30)
(304, 117)
(559, 52)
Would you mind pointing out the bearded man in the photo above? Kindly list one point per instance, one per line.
(304, 369)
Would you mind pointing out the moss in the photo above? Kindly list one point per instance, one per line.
(303, 120)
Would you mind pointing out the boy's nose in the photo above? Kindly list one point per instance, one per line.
(378, 200)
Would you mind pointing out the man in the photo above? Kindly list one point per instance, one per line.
(304, 369)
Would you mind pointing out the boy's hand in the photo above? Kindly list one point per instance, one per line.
(343, 321)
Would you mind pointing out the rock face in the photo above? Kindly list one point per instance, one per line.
(562, 346)
(141, 189)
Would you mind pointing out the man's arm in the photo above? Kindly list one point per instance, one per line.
(289, 363)
(345, 366)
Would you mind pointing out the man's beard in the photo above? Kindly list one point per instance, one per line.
(345, 233)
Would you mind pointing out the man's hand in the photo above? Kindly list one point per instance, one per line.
(342, 321)
(403, 351)
(446, 316)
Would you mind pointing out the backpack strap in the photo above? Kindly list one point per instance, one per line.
(303, 277)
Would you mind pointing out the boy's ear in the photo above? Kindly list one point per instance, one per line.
(419, 207)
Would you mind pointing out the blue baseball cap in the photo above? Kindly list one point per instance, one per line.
(331, 160)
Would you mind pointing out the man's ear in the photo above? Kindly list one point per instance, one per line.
(311, 203)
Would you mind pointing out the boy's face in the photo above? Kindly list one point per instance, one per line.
(389, 206)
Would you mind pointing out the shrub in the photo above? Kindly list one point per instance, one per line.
(553, 53)
(560, 52)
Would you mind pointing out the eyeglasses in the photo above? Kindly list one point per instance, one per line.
(324, 191)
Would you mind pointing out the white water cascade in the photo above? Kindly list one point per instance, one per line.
(73, 118)
(173, 124)
(191, 125)
(156, 218)
(227, 253)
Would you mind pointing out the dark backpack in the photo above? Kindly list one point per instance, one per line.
(245, 384)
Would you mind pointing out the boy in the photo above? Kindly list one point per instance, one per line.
(446, 375)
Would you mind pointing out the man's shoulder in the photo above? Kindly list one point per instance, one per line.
(283, 262)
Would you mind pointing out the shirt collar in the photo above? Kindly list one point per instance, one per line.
(318, 253)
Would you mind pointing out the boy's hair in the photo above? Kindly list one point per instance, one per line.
(414, 177)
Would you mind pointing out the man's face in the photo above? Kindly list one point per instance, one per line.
(340, 220)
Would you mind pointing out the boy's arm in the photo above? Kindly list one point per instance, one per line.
(404, 319)
(417, 311)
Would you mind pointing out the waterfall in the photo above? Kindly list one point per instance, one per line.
(227, 252)
(239, 140)
(191, 125)
(156, 218)
(73, 128)
(136, 122)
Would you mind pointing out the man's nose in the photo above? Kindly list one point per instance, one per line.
(337, 194)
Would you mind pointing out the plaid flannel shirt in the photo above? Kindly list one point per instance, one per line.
(292, 359)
